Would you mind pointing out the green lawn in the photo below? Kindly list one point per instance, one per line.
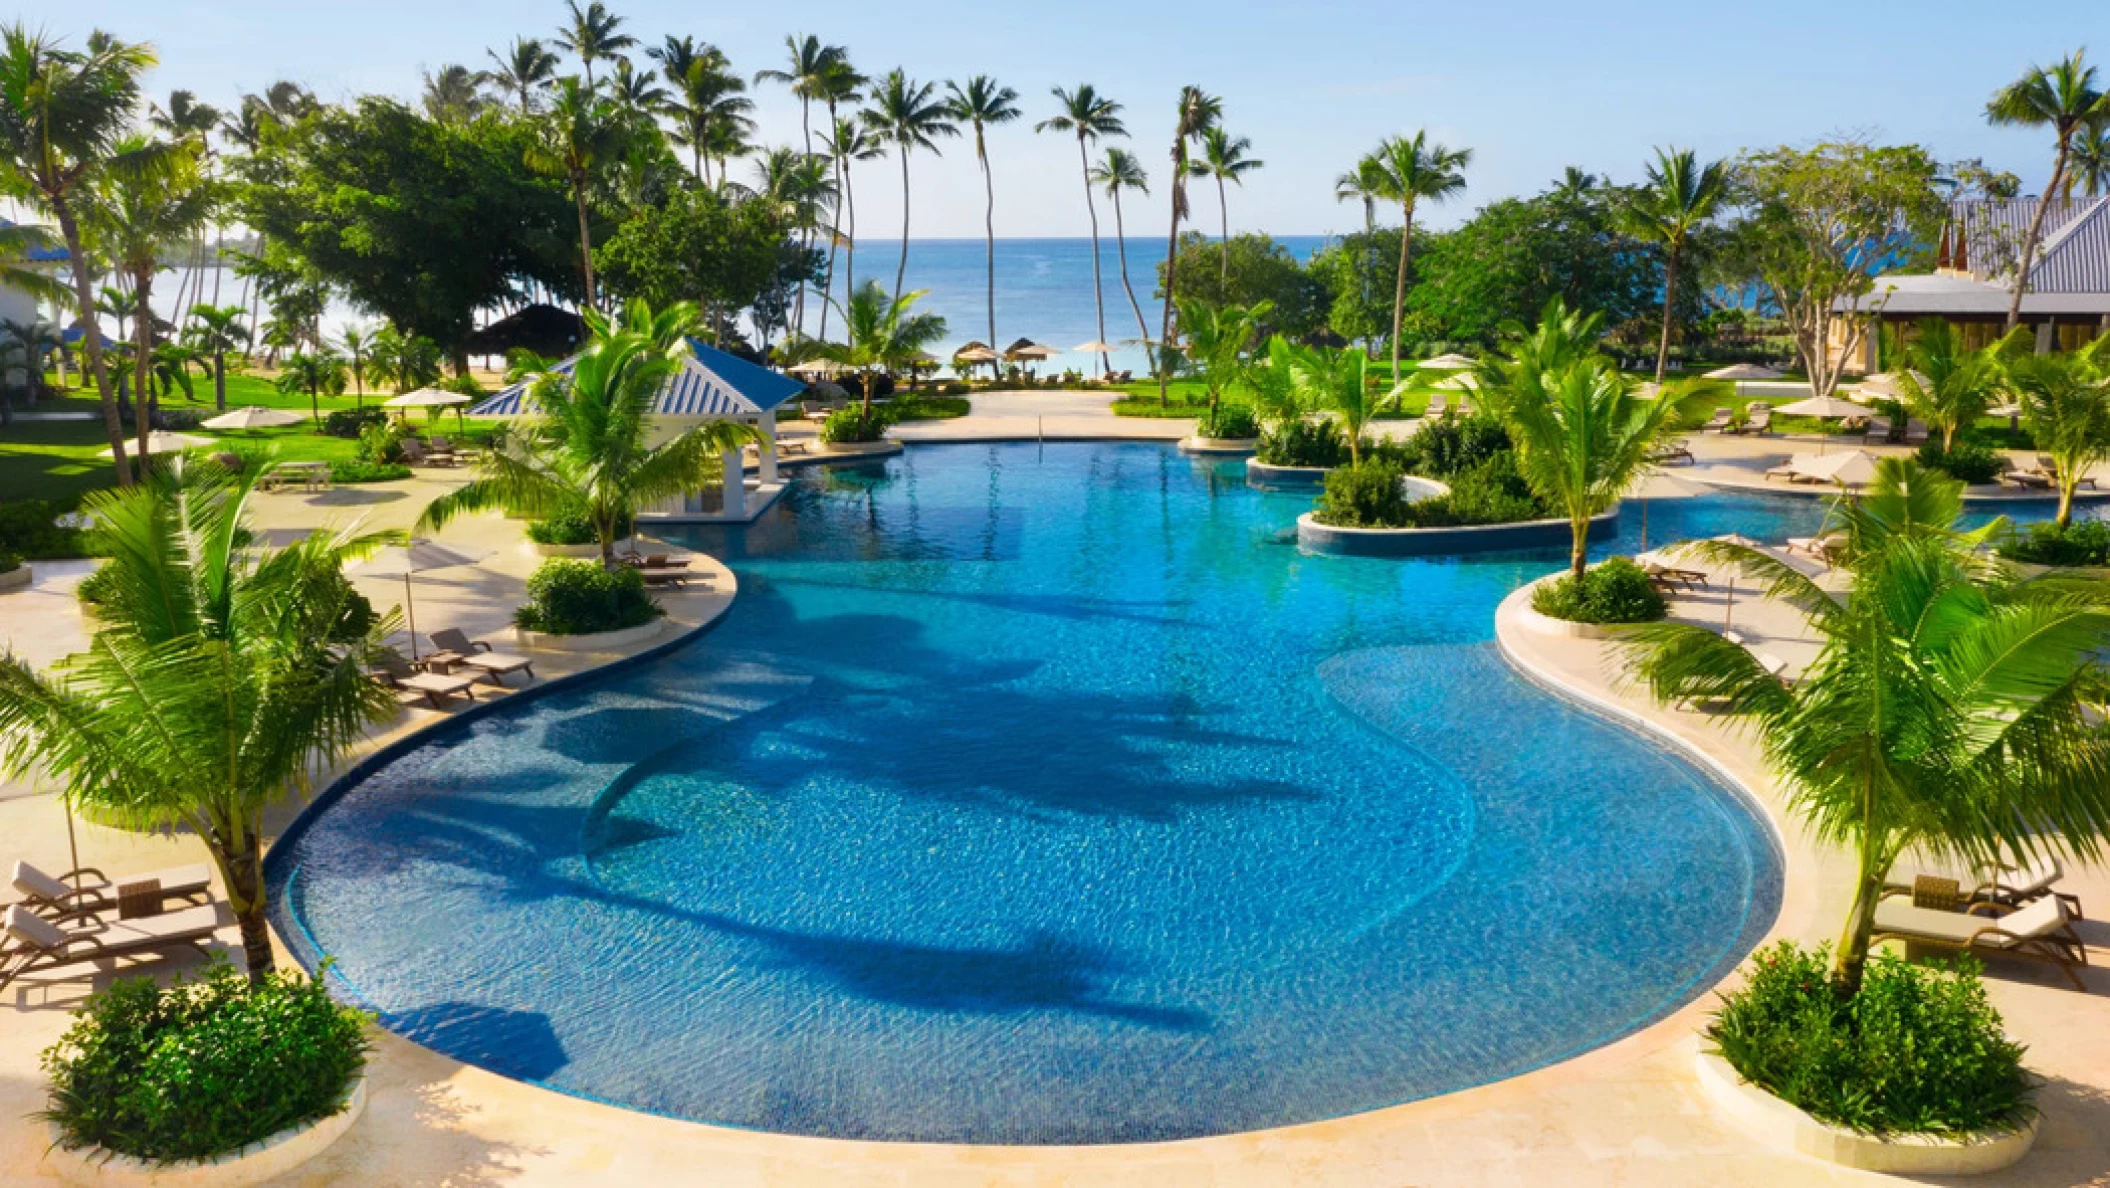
(241, 390)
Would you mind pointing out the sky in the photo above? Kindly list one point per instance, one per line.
(1530, 86)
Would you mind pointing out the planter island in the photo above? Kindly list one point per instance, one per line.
(266, 1159)
(1457, 538)
(1220, 445)
(1295, 478)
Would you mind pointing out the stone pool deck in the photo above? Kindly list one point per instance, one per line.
(1630, 1113)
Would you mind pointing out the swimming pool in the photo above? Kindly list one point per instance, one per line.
(1043, 795)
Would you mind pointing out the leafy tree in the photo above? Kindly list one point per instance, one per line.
(578, 136)
(315, 374)
(2063, 97)
(1117, 172)
(215, 330)
(454, 95)
(2066, 404)
(709, 99)
(402, 362)
(699, 246)
(1261, 270)
(907, 115)
(1946, 709)
(1224, 159)
(590, 446)
(1365, 184)
(1680, 195)
(223, 677)
(1416, 171)
(1355, 274)
(1198, 112)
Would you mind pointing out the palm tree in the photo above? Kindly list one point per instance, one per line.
(1576, 183)
(840, 86)
(2090, 163)
(850, 141)
(1365, 184)
(2067, 408)
(257, 657)
(187, 119)
(578, 135)
(454, 95)
(706, 94)
(1679, 195)
(591, 446)
(357, 342)
(214, 331)
(807, 75)
(526, 69)
(2064, 98)
(29, 342)
(594, 33)
(1338, 381)
(979, 104)
(1960, 383)
(1416, 170)
(1088, 115)
(1119, 171)
(884, 331)
(62, 115)
(1946, 709)
(1198, 112)
(1217, 338)
(906, 115)
(1581, 442)
(316, 374)
(1224, 159)
(634, 92)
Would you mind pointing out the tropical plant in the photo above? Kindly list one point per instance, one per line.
(2067, 409)
(1615, 591)
(357, 341)
(402, 362)
(841, 85)
(636, 93)
(2089, 166)
(806, 74)
(225, 676)
(579, 134)
(1224, 159)
(571, 597)
(214, 331)
(1366, 183)
(1679, 195)
(317, 374)
(1118, 171)
(590, 445)
(1270, 375)
(884, 331)
(1581, 440)
(1198, 112)
(2064, 98)
(981, 104)
(526, 69)
(63, 116)
(1946, 383)
(1367, 495)
(1216, 342)
(1339, 382)
(453, 95)
(1417, 170)
(593, 34)
(907, 115)
(1946, 709)
(1088, 115)
(710, 102)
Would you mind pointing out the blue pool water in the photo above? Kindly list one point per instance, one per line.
(1044, 795)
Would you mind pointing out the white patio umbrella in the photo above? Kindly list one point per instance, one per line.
(1032, 351)
(1884, 385)
(161, 441)
(1464, 382)
(427, 398)
(1447, 363)
(1852, 468)
(1743, 371)
(1825, 408)
(975, 354)
(403, 560)
(1093, 347)
(253, 417)
(824, 368)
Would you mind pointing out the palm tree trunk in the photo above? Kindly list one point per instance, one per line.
(1579, 550)
(902, 271)
(1399, 286)
(798, 305)
(1670, 291)
(143, 359)
(219, 381)
(1369, 246)
(1852, 958)
(1121, 245)
(1223, 214)
(988, 228)
(253, 294)
(1172, 260)
(834, 241)
(2069, 481)
(1084, 164)
(236, 851)
(91, 337)
(2036, 229)
(850, 236)
(578, 191)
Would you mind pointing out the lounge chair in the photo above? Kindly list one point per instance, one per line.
(1437, 404)
(416, 454)
(1719, 422)
(2026, 478)
(1916, 432)
(2037, 931)
(58, 898)
(1878, 431)
(1465, 406)
(1826, 548)
(475, 653)
(666, 575)
(789, 448)
(1760, 422)
(2011, 885)
(1787, 470)
(412, 686)
(2050, 470)
(1669, 579)
(1671, 452)
(34, 943)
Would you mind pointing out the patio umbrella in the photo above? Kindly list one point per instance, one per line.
(1093, 347)
(1447, 363)
(1033, 352)
(161, 441)
(1884, 385)
(253, 417)
(1732, 572)
(1743, 371)
(430, 398)
(1464, 382)
(823, 368)
(1852, 468)
(404, 560)
(1826, 408)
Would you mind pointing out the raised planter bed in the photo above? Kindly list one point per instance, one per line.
(1260, 474)
(824, 451)
(1219, 445)
(590, 549)
(1467, 538)
(1775, 1121)
(599, 641)
(16, 578)
(259, 1161)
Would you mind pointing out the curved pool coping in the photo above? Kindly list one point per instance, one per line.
(1665, 1032)
(1462, 538)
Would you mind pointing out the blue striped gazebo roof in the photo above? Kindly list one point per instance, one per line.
(710, 384)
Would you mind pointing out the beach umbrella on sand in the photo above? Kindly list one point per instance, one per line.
(403, 560)
(253, 417)
(1031, 351)
(161, 441)
(972, 353)
(1093, 347)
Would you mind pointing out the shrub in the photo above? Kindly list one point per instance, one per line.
(1489, 493)
(9, 562)
(351, 422)
(382, 442)
(1452, 445)
(1970, 462)
(1617, 591)
(1366, 496)
(2083, 542)
(1918, 1051)
(1228, 422)
(175, 420)
(577, 597)
(570, 526)
(1304, 443)
(30, 527)
(356, 471)
(853, 424)
(927, 408)
(203, 1066)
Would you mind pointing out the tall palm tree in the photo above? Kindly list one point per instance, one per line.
(1576, 183)
(215, 330)
(590, 444)
(1581, 442)
(580, 133)
(1417, 170)
(257, 656)
(2063, 97)
(357, 342)
(1679, 195)
(454, 95)
(1088, 115)
(841, 85)
(848, 142)
(1946, 383)
(1365, 184)
(526, 69)
(1198, 112)
(593, 34)
(884, 331)
(706, 93)
(980, 104)
(1120, 170)
(806, 74)
(2067, 408)
(63, 114)
(907, 115)
(186, 118)
(635, 93)
(1946, 709)
(319, 374)
(1224, 159)
(2090, 163)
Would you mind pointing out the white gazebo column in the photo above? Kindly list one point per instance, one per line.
(735, 486)
(767, 423)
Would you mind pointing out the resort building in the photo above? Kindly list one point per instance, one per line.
(2068, 302)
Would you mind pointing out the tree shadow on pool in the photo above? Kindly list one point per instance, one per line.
(517, 1043)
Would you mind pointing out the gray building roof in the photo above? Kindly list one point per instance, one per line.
(1985, 238)
(1960, 296)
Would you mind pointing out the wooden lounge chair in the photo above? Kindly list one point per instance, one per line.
(2011, 885)
(1669, 579)
(790, 448)
(1916, 432)
(665, 575)
(667, 560)
(416, 454)
(1719, 422)
(1786, 470)
(1878, 431)
(1671, 452)
(1438, 403)
(2038, 931)
(412, 686)
(2028, 479)
(58, 898)
(2050, 470)
(34, 943)
(476, 654)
